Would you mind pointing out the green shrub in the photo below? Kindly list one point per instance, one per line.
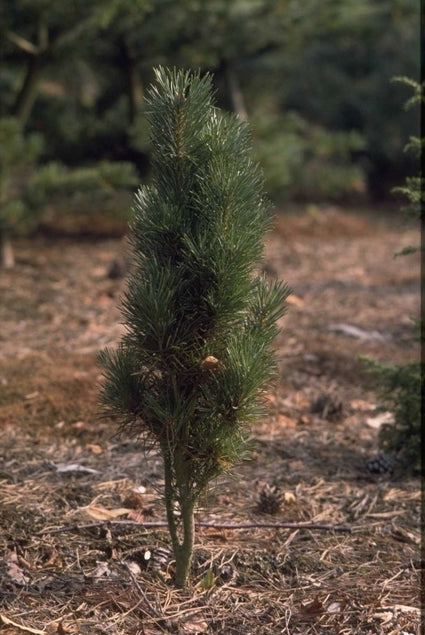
(400, 390)
(18, 154)
(54, 181)
(305, 161)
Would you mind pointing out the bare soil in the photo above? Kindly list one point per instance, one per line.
(83, 545)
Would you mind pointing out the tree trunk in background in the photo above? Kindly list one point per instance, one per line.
(7, 257)
(25, 99)
(134, 88)
(235, 92)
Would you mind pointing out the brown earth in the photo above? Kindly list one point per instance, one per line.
(77, 552)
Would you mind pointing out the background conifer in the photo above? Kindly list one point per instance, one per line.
(400, 386)
(190, 372)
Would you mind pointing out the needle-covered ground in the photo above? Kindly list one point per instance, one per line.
(83, 543)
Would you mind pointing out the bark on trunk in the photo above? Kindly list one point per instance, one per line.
(236, 95)
(133, 82)
(182, 548)
(185, 550)
(24, 101)
(7, 256)
(134, 91)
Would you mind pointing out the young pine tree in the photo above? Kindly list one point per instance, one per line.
(190, 371)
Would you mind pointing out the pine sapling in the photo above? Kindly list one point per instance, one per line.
(191, 370)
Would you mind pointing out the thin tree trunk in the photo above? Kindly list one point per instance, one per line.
(183, 549)
(37, 57)
(134, 91)
(170, 501)
(24, 101)
(133, 82)
(7, 256)
(236, 95)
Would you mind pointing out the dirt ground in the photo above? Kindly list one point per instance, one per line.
(83, 546)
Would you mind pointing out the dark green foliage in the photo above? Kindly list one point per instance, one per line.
(77, 72)
(337, 72)
(25, 189)
(413, 188)
(54, 182)
(18, 154)
(191, 370)
(400, 389)
(22, 206)
(308, 162)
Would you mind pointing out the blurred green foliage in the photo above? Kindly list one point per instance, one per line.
(400, 386)
(25, 188)
(55, 180)
(313, 77)
(308, 162)
(18, 154)
(413, 188)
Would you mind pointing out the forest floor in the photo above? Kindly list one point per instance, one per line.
(83, 546)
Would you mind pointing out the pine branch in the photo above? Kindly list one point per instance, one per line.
(22, 43)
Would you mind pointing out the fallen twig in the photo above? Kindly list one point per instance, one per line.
(278, 525)
(162, 523)
(21, 627)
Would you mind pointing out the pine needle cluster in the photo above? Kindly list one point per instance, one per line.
(190, 371)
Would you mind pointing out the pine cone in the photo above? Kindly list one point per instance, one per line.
(381, 464)
(270, 500)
